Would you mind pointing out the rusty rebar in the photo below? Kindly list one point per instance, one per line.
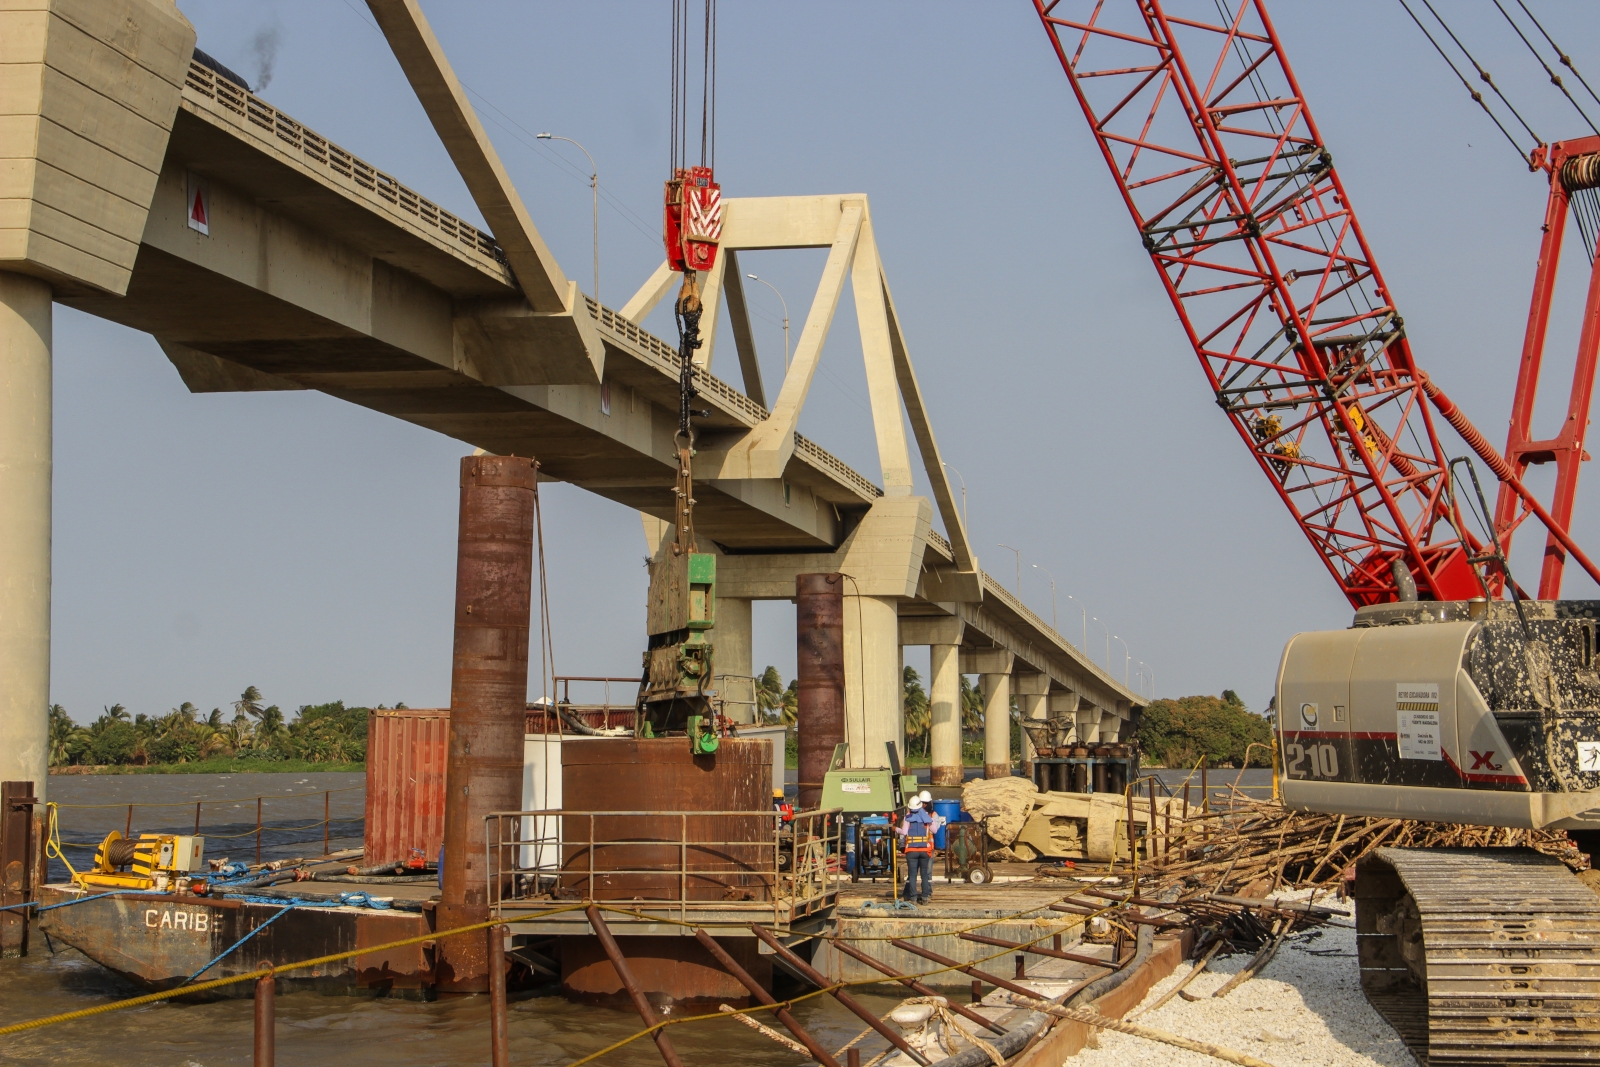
(917, 987)
(816, 978)
(258, 828)
(731, 965)
(641, 1003)
(1000, 942)
(966, 969)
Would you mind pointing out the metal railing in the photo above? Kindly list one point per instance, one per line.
(677, 865)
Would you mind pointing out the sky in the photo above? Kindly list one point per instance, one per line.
(306, 546)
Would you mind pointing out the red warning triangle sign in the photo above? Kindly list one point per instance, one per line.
(197, 210)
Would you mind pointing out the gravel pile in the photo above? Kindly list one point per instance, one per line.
(1304, 1009)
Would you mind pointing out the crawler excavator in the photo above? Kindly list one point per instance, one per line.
(1454, 696)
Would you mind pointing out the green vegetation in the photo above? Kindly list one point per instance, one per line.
(258, 737)
(1176, 733)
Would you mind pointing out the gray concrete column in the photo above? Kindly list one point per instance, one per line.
(996, 725)
(731, 642)
(944, 713)
(25, 413)
(1032, 707)
(873, 689)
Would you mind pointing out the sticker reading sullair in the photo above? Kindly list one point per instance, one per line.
(1417, 720)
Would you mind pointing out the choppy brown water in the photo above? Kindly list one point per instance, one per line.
(316, 1030)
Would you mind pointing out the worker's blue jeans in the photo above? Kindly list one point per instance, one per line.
(919, 861)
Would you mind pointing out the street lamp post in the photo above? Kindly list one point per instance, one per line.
(785, 304)
(1054, 623)
(1018, 551)
(1103, 627)
(594, 192)
(1127, 658)
(1084, 648)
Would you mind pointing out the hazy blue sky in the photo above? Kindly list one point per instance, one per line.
(297, 543)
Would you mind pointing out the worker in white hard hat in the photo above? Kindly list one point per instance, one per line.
(918, 827)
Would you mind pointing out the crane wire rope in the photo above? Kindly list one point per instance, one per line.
(1566, 60)
(1482, 73)
(1555, 79)
(1476, 96)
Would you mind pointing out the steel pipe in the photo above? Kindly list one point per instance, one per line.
(265, 1049)
(731, 965)
(916, 986)
(819, 668)
(488, 694)
(499, 1041)
(641, 1003)
(810, 974)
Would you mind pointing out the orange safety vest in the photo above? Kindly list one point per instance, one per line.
(919, 832)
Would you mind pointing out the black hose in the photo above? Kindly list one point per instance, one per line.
(378, 879)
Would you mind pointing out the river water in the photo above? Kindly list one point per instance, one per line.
(313, 1030)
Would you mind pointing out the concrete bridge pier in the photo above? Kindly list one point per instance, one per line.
(993, 668)
(873, 699)
(25, 472)
(1032, 691)
(942, 635)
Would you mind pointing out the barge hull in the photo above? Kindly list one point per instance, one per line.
(157, 942)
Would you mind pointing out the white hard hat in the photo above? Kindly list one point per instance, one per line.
(925, 796)
(914, 803)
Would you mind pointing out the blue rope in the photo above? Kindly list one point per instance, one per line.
(353, 900)
(80, 900)
(286, 909)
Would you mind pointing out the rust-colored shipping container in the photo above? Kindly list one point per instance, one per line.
(407, 750)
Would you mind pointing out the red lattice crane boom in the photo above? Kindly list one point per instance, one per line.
(1235, 194)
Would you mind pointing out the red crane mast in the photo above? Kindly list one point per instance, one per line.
(1237, 199)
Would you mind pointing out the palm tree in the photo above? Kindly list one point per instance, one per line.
(186, 710)
(971, 707)
(249, 703)
(789, 710)
(116, 713)
(214, 720)
(61, 730)
(769, 694)
(918, 711)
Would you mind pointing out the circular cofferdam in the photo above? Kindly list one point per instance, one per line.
(647, 821)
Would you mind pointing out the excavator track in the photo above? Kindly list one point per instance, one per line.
(1481, 956)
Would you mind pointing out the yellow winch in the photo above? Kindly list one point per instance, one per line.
(153, 861)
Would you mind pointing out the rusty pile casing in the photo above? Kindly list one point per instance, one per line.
(819, 663)
(488, 695)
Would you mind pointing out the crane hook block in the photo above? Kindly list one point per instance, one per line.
(693, 219)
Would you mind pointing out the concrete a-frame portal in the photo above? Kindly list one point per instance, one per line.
(337, 277)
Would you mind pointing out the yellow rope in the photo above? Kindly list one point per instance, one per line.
(218, 983)
(879, 980)
(200, 987)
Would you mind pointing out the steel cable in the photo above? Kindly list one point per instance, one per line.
(1555, 79)
(1476, 96)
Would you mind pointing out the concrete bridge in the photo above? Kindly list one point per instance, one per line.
(143, 187)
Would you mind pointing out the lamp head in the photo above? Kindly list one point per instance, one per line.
(544, 136)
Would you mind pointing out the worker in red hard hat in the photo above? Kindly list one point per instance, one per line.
(918, 827)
